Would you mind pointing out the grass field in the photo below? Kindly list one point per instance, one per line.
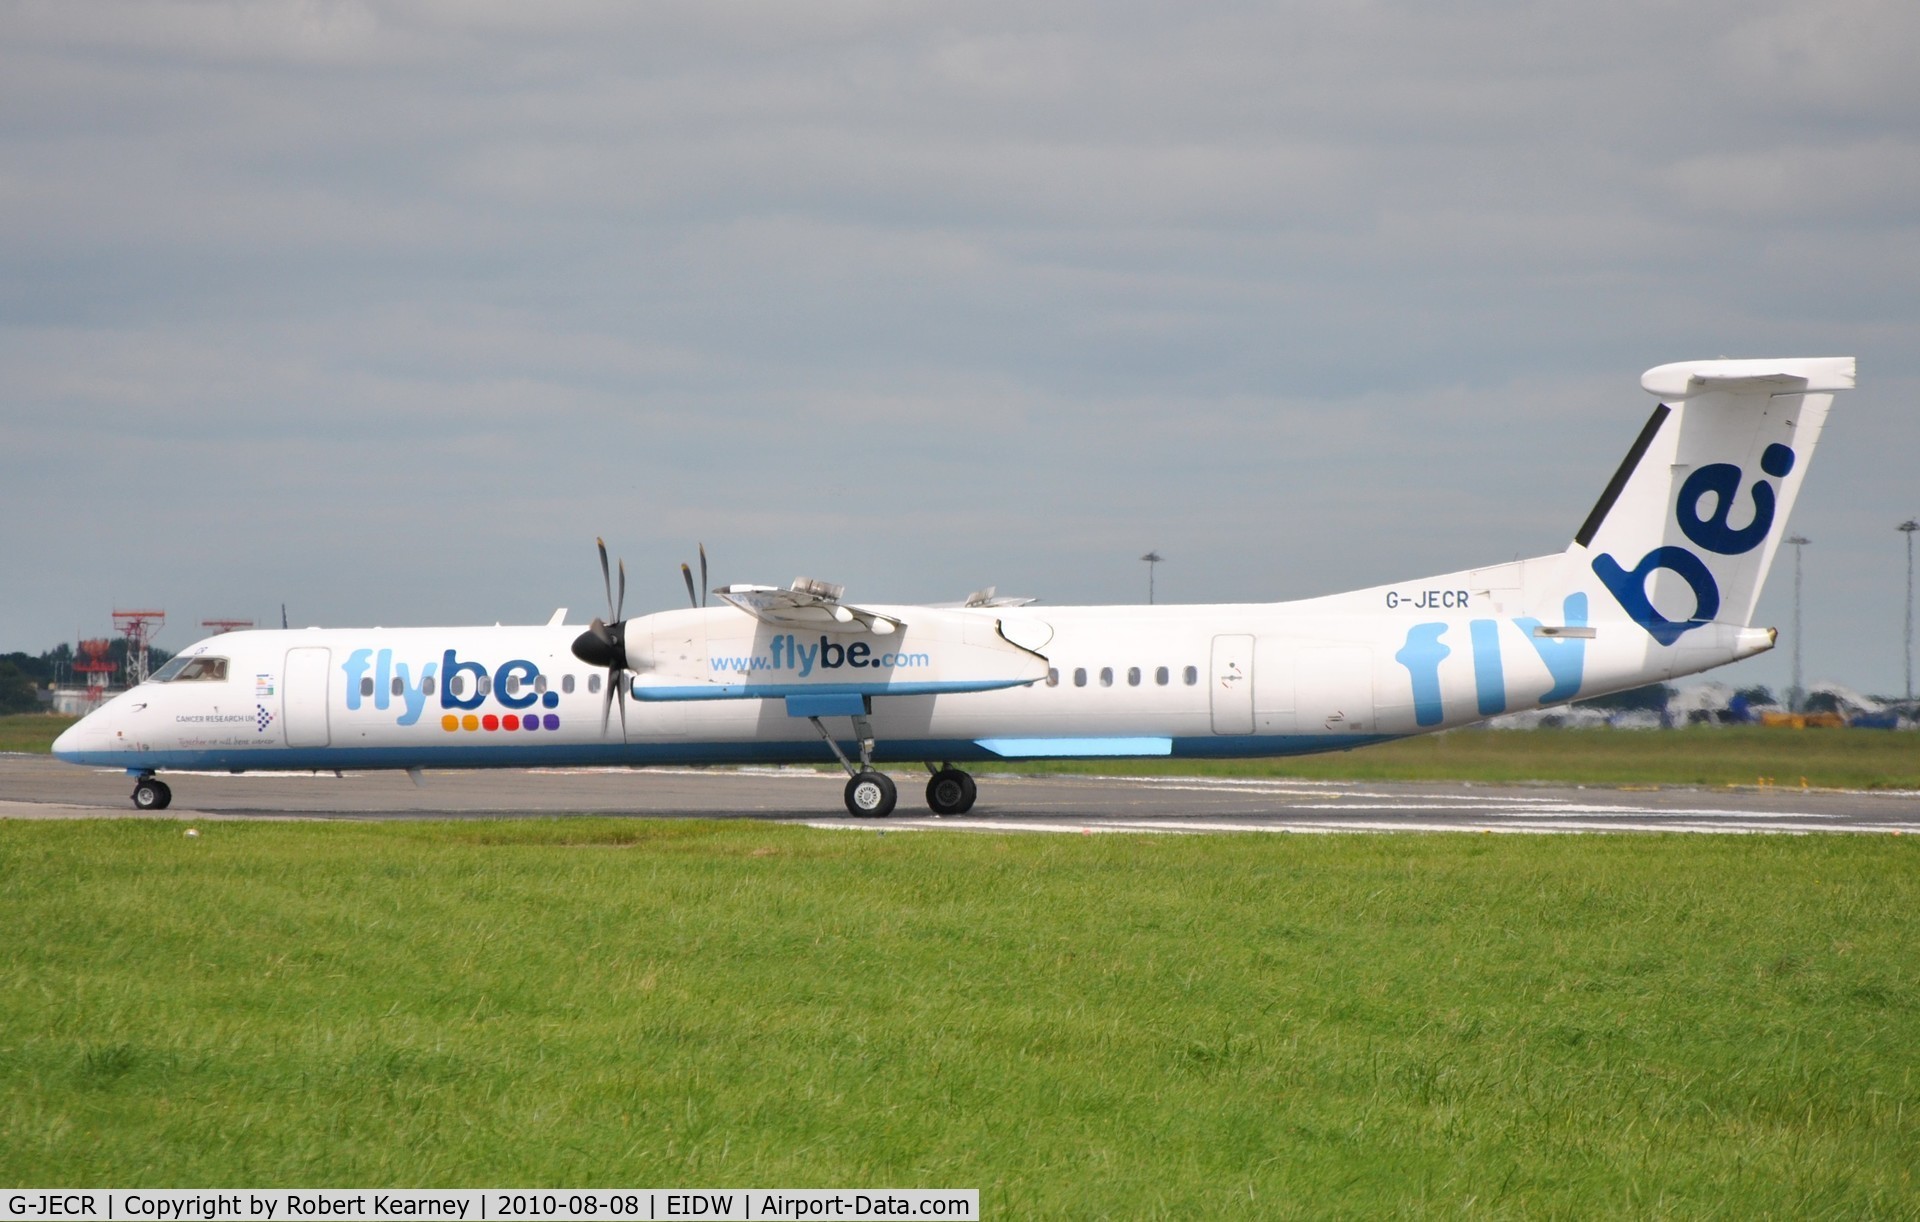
(1734, 755)
(1118, 1026)
(1701, 755)
(31, 731)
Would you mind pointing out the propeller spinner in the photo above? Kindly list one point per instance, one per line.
(605, 644)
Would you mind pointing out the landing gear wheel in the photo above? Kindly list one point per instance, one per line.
(871, 795)
(951, 792)
(150, 794)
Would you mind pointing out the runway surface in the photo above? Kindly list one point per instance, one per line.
(37, 786)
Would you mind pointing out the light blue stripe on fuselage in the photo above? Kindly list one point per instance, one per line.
(618, 754)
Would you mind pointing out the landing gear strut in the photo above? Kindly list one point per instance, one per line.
(869, 794)
(872, 795)
(151, 794)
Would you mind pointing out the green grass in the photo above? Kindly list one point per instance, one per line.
(1733, 755)
(1081, 1026)
(31, 731)
(1700, 755)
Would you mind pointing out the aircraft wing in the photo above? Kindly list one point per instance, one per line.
(808, 605)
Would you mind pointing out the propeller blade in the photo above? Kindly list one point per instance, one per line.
(703, 574)
(606, 577)
(606, 704)
(621, 606)
(687, 573)
(623, 711)
(599, 629)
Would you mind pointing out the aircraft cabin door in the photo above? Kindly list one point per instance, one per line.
(303, 696)
(1231, 679)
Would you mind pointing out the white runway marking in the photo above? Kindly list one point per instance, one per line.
(38, 787)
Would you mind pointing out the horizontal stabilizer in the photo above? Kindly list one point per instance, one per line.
(1794, 375)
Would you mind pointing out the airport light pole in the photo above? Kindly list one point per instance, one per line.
(1794, 695)
(1152, 558)
(1907, 528)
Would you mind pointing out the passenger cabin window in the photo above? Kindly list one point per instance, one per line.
(426, 685)
(1079, 676)
(190, 670)
(399, 688)
(566, 684)
(540, 684)
(1053, 676)
(1192, 675)
(366, 686)
(593, 683)
(1106, 676)
(1133, 676)
(1160, 676)
(457, 685)
(483, 684)
(513, 685)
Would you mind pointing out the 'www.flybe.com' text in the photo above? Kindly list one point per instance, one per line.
(785, 653)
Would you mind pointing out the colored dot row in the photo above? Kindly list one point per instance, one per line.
(512, 721)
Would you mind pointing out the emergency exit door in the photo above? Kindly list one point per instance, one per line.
(1231, 679)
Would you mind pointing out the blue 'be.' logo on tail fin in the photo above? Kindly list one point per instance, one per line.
(1711, 532)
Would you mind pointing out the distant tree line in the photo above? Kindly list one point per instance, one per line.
(22, 674)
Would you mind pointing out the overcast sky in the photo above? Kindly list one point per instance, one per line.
(384, 311)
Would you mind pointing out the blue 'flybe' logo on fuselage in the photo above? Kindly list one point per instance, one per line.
(1564, 657)
(413, 685)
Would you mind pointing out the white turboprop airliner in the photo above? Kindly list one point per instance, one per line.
(1661, 580)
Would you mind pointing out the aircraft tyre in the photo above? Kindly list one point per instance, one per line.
(150, 794)
(951, 792)
(871, 795)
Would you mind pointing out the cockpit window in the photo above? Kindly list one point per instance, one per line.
(168, 671)
(203, 668)
(183, 670)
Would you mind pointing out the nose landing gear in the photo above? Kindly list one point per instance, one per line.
(151, 794)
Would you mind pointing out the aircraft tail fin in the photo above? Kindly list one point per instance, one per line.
(1686, 530)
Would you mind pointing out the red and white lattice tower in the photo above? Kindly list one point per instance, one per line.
(94, 663)
(139, 627)
(221, 626)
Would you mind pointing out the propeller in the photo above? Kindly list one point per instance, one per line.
(605, 644)
(698, 599)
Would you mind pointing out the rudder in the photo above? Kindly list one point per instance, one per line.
(1687, 529)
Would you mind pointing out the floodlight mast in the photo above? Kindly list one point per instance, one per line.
(1907, 528)
(1152, 558)
(139, 628)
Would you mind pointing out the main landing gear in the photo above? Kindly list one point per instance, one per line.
(151, 794)
(950, 791)
(873, 795)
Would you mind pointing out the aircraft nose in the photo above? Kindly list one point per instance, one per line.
(68, 742)
(77, 739)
